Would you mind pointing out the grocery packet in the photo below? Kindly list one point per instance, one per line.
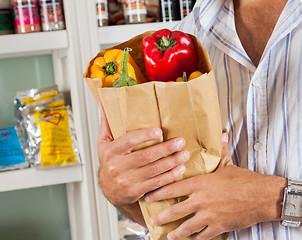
(48, 126)
(181, 109)
(11, 149)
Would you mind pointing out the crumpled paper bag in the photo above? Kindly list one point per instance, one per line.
(181, 109)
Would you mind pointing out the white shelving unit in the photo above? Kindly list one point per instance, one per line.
(15, 45)
(64, 46)
(31, 177)
(91, 215)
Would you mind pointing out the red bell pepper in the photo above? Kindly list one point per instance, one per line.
(168, 54)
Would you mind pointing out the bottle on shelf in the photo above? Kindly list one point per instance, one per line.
(116, 14)
(102, 12)
(27, 17)
(186, 7)
(6, 20)
(135, 11)
(153, 14)
(169, 10)
(52, 16)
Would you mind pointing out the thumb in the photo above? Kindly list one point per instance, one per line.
(105, 134)
(226, 159)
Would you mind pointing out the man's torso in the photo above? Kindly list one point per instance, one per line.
(261, 106)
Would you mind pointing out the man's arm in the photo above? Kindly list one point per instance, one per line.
(133, 212)
(229, 199)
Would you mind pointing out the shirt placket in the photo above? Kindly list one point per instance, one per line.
(257, 125)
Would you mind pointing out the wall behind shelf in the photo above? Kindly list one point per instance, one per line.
(18, 74)
(37, 213)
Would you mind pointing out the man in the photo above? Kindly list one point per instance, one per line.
(255, 48)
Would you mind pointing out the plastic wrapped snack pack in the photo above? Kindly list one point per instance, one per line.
(11, 149)
(48, 126)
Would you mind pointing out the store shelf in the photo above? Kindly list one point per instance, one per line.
(32, 177)
(32, 43)
(120, 33)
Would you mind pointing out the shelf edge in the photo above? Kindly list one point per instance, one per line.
(32, 43)
(32, 177)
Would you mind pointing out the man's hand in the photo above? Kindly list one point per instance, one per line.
(124, 175)
(230, 198)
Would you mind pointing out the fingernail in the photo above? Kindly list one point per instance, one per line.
(225, 138)
(147, 199)
(158, 132)
(152, 222)
(181, 169)
(169, 237)
(180, 143)
(185, 155)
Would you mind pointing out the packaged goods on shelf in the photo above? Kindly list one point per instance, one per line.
(11, 151)
(102, 12)
(172, 10)
(6, 20)
(27, 16)
(116, 14)
(52, 16)
(153, 14)
(49, 127)
(135, 11)
(186, 7)
(169, 10)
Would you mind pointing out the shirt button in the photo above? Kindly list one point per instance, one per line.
(257, 146)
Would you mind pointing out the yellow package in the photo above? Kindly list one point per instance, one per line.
(57, 146)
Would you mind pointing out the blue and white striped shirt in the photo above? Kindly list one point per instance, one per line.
(261, 107)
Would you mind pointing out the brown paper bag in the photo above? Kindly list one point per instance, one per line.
(181, 109)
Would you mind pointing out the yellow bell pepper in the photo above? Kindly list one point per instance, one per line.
(108, 68)
(193, 75)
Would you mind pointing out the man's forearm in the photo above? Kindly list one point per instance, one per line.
(133, 212)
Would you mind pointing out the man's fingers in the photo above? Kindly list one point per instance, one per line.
(173, 213)
(105, 134)
(226, 159)
(162, 165)
(207, 233)
(178, 189)
(163, 179)
(128, 141)
(189, 227)
(155, 152)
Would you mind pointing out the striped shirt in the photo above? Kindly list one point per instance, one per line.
(261, 107)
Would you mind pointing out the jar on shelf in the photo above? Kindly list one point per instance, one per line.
(52, 16)
(102, 12)
(27, 17)
(186, 7)
(153, 13)
(169, 10)
(135, 11)
(6, 20)
(116, 13)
